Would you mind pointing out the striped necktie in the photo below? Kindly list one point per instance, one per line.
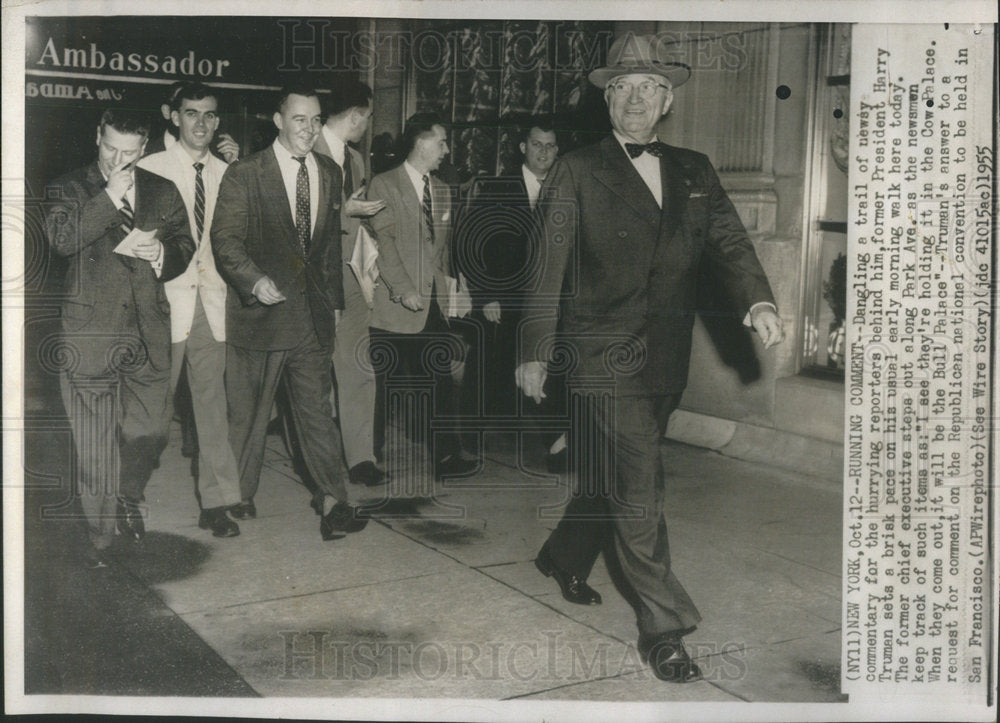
(302, 221)
(199, 200)
(426, 204)
(128, 217)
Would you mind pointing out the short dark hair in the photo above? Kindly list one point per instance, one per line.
(346, 95)
(125, 121)
(544, 123)
(193, 91)
(418, 125)
(297, 87)
(173, 90)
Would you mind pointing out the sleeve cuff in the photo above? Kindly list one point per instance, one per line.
(749, 316)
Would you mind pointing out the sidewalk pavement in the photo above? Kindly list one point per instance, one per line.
(439, 598)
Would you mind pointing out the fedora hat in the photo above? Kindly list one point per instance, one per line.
(632, 53)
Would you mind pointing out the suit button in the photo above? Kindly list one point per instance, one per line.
(622, 234)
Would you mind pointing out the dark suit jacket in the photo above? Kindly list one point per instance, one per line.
(113, 300)
(496, 241)
(253, 235)
(624, 274)
(408, 260)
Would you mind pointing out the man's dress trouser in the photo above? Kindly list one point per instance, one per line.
(252, 378)
(615, 449)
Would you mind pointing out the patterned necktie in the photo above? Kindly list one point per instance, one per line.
(199, 199)
(348, 176)
(656, 148)
(426, 204)
(302, 222)
(128, 218)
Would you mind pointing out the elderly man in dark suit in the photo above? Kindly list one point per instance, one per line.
(627, 222)
(412, 299)
(124, 232)
(276, 239)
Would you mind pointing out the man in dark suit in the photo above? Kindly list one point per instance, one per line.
(412, 298)
(349, 108)
(627, 222)
(124, 232)
(496, 241)
(276, 239)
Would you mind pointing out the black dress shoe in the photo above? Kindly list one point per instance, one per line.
(130, 524)
(95, 559)
(341, 519)
(669, 660)
(574, 589)
(455, 466)
(216, 520)
(367, 474)
(245, 510)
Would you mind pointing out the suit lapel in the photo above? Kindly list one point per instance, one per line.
(618, 174)
(675, 196)
(409, 195)
(323, 200)
(275, 197)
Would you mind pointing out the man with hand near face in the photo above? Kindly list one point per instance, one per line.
(198, 301)
(276, 238)
(124, 232)
(626, 224)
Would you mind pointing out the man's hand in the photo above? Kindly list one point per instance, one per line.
(492, 312)
(228, 147)
(768, 325)
(530, 377)
(147, 247)
(266, 292)
(412, 301)
(120, 180)
(357, 206)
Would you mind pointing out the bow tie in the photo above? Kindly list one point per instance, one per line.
(656, 148)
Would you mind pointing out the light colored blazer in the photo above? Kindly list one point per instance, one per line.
(200, 277)
(407, 258)
(348, 224)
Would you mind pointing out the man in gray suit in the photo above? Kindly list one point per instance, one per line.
(349, 109)
(116, 322)
(276, 238)
(626, 224)
(412, 300)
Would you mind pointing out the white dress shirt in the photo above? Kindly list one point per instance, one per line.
(417, 179)
(338, 149)
(289, 174)
(648, 167)
(532, 184)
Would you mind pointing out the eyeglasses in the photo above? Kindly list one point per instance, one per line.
(647, 88)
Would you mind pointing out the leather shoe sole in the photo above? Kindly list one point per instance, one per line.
(669, 660)
(245, 510)
(217, 521)
(573, 589)
(342, 519)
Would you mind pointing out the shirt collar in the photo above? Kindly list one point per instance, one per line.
(286, 156)
(416, 177)
(622, 140)
(338, 148)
